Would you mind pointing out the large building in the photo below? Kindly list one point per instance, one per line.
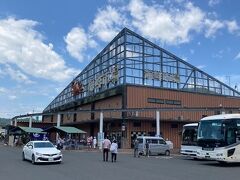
(133, 78)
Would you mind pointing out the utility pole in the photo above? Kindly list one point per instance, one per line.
(228, 80)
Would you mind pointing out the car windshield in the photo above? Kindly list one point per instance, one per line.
(43, 145)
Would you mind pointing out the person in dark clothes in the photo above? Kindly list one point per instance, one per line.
(136, 143)
(147, 148)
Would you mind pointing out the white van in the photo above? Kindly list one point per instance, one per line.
(157, 145)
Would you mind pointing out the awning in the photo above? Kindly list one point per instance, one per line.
(27, 130)
(65, 129)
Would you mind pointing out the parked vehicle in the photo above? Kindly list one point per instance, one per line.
(41, 151)
(219, 138)
(189, 140)
(157, 145)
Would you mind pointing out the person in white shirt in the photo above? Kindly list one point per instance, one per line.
(94, 142)
(113, 149)
(106, 147)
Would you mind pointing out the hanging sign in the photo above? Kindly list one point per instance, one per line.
(104, 79)
(150, 74)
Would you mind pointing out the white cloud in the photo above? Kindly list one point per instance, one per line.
(115, 1)
(212, 26)
(3, 90)
(12, 97)
(213, 2)
(107, 23)
(218, 54)
(232, 26)
(77, 42)
(16, 75)
(5, 93)
(23, 46)
(166, 23)
(237, 56)
(201, 66)
(169, 25)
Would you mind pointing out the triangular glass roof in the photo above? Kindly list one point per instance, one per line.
(132, 59)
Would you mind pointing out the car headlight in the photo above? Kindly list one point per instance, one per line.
(38, 154)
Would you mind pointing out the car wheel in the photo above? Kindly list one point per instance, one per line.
(167, 153)
(23, 156)
(33, 159)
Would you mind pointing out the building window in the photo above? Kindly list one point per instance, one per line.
(136, 124)
(51, 118)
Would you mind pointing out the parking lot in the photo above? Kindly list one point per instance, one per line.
(89, 166)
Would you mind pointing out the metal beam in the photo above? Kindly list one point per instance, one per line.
(187, 109)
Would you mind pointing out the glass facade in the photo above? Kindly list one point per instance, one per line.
(131, 59)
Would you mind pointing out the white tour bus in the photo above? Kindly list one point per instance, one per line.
(189, 140)
(219, 138)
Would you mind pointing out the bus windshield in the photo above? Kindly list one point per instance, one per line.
(189, 135)
(219, 132)
(211, 130)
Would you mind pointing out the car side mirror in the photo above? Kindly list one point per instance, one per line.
(30, 147)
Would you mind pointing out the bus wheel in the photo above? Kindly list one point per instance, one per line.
(167, 153)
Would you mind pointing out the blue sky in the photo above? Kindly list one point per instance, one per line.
(45, 44)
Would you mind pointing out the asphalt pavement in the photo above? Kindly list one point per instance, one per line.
(80, 165)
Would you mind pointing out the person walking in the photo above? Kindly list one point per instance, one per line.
(113, 149)
(106, 146)
(147, 148)
(136, 143)
(94, 142)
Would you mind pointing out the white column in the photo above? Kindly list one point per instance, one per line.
(58, 119)
(100, 134)
(58, 124)
(157, 123)
(15, 122)
(101, 123)
(30, 122)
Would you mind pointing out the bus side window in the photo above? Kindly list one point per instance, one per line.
(238, 131)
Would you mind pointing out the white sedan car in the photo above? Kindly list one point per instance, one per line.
(41, 151)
